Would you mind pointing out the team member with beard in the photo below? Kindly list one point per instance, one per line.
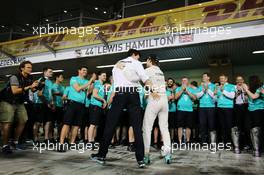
(172, 108)
(240, 121)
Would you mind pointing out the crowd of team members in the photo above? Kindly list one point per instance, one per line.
(206, 113)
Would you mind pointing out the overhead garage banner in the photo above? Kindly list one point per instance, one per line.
(216, 13)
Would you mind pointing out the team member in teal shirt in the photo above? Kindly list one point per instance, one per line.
(44, 105)
(185, 96)
(172, 108)
(57, 92)
(195, 134)
(256, 111)
(207, 112)
(225, 104)
(76, 110)
(97, 106)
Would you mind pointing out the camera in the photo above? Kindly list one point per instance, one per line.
(41, 84)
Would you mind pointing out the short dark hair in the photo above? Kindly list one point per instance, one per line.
(133, 51)
(171, 79)
(46, 68)
(194, 83)
(207, 73)
(100, 73)
(81, 67)
(154, 60)
(254, 83)
(23, 64)
(222, 75)
(57, 75)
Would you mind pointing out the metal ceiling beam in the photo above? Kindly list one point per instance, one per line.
(101, 37)
(8, 54)
(45, 44)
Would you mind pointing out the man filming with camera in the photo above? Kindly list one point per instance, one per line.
(12, 107)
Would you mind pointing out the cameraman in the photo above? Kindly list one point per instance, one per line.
(12, 103)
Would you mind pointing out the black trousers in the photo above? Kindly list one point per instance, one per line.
(241, 120)
(225, 119)
(28, 129)
(132, 103)
(207, 119)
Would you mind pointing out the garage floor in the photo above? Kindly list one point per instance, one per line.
(120, 161)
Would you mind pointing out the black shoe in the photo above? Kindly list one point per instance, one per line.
(98, 158)
(62, 148)
(52, 140)
(123, 142)
(7, 150)
(20, 146)
(112, 146)
(92, 145)
(131, 148)
(156, 146)
(46, 141)
(117, 143)
(85, 142)
(141, 164)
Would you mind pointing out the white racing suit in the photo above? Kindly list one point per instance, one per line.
(157, 108)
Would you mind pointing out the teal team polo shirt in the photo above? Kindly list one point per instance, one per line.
(256, 104)
(79, 97)
(58, 88)
(101, 92)
(222, 100)
(47, 92)
(172, 105)
(185, 102)
(206, 101)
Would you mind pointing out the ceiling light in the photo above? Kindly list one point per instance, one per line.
(104, 12)
(65, 11)
(161, 61)
(258, 51)
(96, 8)
(105, 66)
(47, 20)
(174, 60)
(54, 71)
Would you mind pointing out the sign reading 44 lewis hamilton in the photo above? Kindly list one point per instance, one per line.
(140, 44)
